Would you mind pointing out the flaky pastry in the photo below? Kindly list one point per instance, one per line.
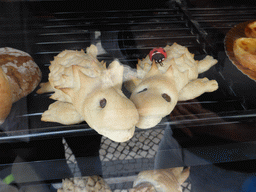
(250, 30)
(245, 52)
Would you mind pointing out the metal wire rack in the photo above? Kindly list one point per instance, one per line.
(130, 157)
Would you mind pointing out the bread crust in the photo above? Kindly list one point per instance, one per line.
(163, 180)
(22, 72)
(5, 96)
(245, 52)
(250, 30)
(19, 76)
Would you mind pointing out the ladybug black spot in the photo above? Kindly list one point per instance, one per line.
(158, 57)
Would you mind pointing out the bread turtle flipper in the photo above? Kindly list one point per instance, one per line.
(206, 64)
(196, 88)
(45, 88)
(62, 112)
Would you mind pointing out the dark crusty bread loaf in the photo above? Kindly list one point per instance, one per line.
(5, 96)
(19, 76)
(21, 70)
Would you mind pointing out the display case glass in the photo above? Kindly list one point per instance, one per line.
(211, 135)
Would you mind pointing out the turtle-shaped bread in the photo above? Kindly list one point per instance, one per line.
(86, 90)
(156, 88)
(161, 180)
(84, 184)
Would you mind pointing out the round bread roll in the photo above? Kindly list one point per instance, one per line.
(5, 96)
(245, 52)
(250, 30)
(22, 72)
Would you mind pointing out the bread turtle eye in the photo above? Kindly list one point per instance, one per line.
(103, 103)
(166, 97)
(145, 89)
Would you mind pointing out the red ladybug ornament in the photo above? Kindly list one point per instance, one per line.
(157, 54)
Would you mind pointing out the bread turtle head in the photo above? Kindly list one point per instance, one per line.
(155, 96)
(101, 101)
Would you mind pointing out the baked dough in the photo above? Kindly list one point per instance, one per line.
(84, 184)
(163, 180)
(22, 72)
(250, 30)
(86, 90)
(156, 88)
(143, 187)
(245, 52)
(19, 76)
(5, 96)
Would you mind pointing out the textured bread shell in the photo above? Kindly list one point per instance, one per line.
(22, 72)
(84, 184)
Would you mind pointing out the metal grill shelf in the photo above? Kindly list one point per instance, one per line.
(126, 35)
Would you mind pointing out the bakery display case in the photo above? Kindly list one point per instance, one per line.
(206, 142)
